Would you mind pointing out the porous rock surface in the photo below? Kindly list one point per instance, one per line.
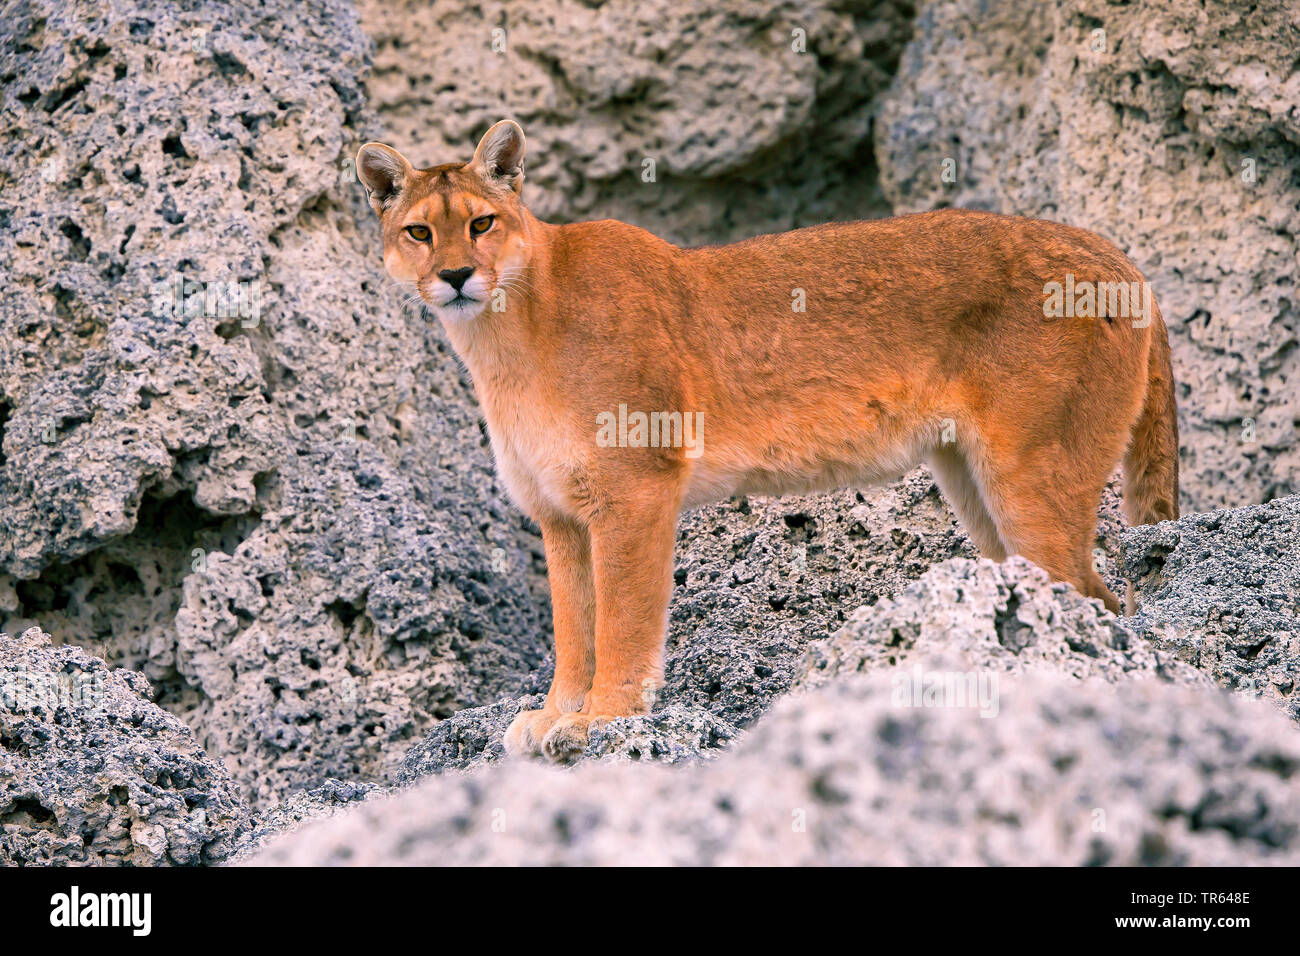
(286, 519)
(92, 772)
(1069, 772)
(703, 122)
(1221, 591)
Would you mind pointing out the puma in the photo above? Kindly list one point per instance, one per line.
(831, 356)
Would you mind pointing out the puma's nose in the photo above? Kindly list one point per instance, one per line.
(456, 277)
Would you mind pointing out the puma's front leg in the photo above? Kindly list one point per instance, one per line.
(573, 608)
(632, 560)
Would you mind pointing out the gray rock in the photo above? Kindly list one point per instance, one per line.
(465, 739)
(1221, 591)
(286, 518)
(760, 578)
(302, 806)
(999, 618)
(1070, 772)
(1082, 739)
(92, 772)
(756, 115)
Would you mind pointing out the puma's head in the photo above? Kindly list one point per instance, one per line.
(453, 232)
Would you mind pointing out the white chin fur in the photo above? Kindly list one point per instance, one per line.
(445, 304)
(461, 311)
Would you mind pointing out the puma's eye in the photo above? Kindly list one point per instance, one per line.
(481, 225)
(418, 233)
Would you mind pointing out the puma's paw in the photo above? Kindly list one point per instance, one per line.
(525, 733)
(567, 738)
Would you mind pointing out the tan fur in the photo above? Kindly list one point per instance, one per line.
(924, 339)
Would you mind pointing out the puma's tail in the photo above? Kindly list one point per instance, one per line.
(1151, 462)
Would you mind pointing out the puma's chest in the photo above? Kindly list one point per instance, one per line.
(534, 448)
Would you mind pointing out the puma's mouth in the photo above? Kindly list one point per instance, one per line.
(459, 303)
(452, 304)
(458, 308)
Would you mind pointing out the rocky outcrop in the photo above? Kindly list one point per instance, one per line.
(982, 714)
(996, 619)
(230, 460)
(1069, 773)
(701, 122)
(92, 772)
(1171, 128)
(1221, 591)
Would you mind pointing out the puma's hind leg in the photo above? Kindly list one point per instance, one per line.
(1044, 506)
(954, 478)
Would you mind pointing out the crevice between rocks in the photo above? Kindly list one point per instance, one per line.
(119, 602)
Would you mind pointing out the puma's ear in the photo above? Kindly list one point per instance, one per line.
(383, 171)
(500, 155)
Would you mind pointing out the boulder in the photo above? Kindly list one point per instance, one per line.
(692, 120)
(231, 460)
(992, 618)
(92, 772)
(1221, 591)
(1070, 772)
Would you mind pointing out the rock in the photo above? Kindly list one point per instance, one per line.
(1168, 126)
(1070, 773)
(996, 618)
(759, 578)
(1078, 737)
(329, 799)
(271, 493)
(232, 462)
(1221, 591)
(465, 739)
(692, 120)
(91, 772)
